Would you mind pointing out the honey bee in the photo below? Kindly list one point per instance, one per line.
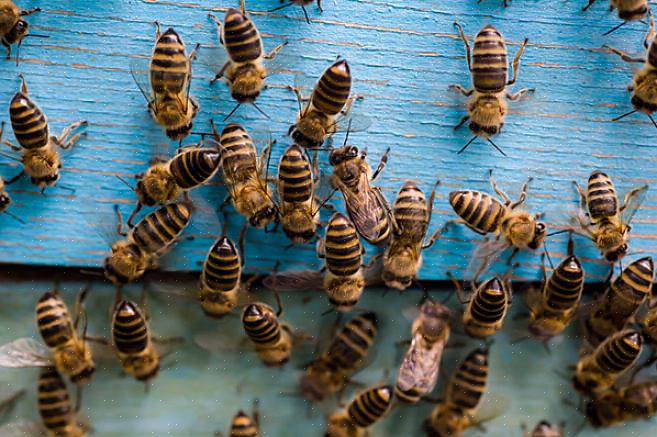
(299, 211)
(5, 199)
(244, 71)
(621, 300)
(402, 259)
(485, 214)
(552, 309)
(163, 182)
(131, 336)
(329, 104)
(272, 339)
(489, 68)
(366, 205)
(151, 237)
(328, 373)
(603, 219)
(418, 373)
(628, 10)
(170, 76)
(39, 150)
(302, 3)
(344, 281)
(597, 371)
(13, 28)
(649, 322)
(456, 413)
(367, 408)
(55, 407)
(245, 175)
(486, 308)
(545, 429)
(243, 425)
(619, 405)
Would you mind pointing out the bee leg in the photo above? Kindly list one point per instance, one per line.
(433, 238)
(26, 12)
(523, 194)
(630, 195)
(456, 88)
(650, 34)
(518, 95)
(305, 13)
(272, 54)
(382, 163)
(513, 254)
(131, 219)
(582, 196)
(460, 293)
(465, 41)
(157, 30)
(15, 178)
(78, 309)
(63, 141)
(497, 190)
(516, 63)
(588, 5)
(624, 56)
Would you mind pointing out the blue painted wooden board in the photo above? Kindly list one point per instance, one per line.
(198, 392)
(403, 56)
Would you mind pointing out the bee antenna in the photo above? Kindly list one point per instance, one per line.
(624, 115)
(652, 119)
(15, 217)
(321, 205)
(496, 146)
(346, 137)
(67, 188)
(466, 145)
(547, 255)
(285, 5)
(615, 28)
(260, 110)
(125, 182)
(232, 112)
(561, 231)
(37, 35)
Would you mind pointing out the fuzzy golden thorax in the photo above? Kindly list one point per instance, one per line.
(544, 328)
(340, 425)
(312, 129)
(521, 230)
(612, 240)
(344, 292)
(157, 186)
(447, 420)
(644, 95)
(75, 361)
(42, 165)
(126, 263)
(217, 303)
(246, 81)
(320, 380)
(299, 224)
(401, 262)
(253, 200)
(487, 112)
(143, 366)
(175, 115)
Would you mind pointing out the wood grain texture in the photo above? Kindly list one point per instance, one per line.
(403, 56)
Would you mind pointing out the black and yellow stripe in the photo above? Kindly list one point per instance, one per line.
(482, 212)
(352, 343)
(261, 325)
(221, 274)
(238, 153)
(489, 61)
(28, 121)
(241, 37)
(55, 407)
(651, 58)
(618, 352)
(194, 167)
(563, 289)
(295, 178)
(343, 250)
(486, 310)
(158, 230)
(411, 213)
(631, 9)
(332, 90)
(243, 426)
(369, 406)
(54, 320)
(170, 67)
(129, 329)
(546, 429)
(601, 198)
(467, 386)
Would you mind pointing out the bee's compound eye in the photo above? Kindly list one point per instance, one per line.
(353, 151)
(540, 227)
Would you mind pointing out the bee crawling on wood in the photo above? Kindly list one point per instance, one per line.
(13, 27)
(628, 10)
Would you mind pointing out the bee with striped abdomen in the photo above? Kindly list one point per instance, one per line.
(169, 79)
(347, 352)
(272, 339)
(344, 281)
(151, 238)
(131, 336)
(165, 179)
(298, 211)
(544, 429)
(402, 259)
(39, 150)
(13, 28)
(366, 205)
(628, 10)
(489, 69)
(485, 214)
(456, 413)
(302, 3)
(245, 70)
(620, 405)
(329, 104)
(245, 175)
(613, 310)
(243, 425)
(598, 370)
(603, 219)
(367, 408)
(5, 199)
(418, 373)
(55, 407)
(486, 307)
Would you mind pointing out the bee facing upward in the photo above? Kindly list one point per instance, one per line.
(628, 10)
(39, 150)
(272, 339)
(55, 407)
(363, 411)
(603, 219)
(245, 175)
(13, 28)
(170, 74)
(489, 68)
(402, 259)
(245, 71)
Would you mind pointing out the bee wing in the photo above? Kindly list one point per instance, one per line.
(24, 352)
(353, 121)
(633, 204)
(22, 428)
(185, 289)
(211, 60)
(294, 280)
(140, 71)
(362, 205)
(484, 256)
(214, 341)
(491, 407)
(305, 84)
(104, 224)
(420, 367)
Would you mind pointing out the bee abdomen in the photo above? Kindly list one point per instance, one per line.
(634, 284)
(261, 325)
(53, 320)
(489, 303)
(54, 404)
(222, 268)
(193, 168)
(342, 247)
(480, 210)
(169, 64)
(353, 341)
(469, 382)
(129, 329)
(243, 426)
(238, 152)
(619, 352)
(295, 176)
(369, 406)
(410, 209)
(159, 229)
(632, 9)
(332, 90)
(564, 288)
(241, 37)
(489, 63)
(28, 121)
(601, 196)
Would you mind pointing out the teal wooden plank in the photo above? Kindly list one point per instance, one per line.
(403, 57)
(198, 392)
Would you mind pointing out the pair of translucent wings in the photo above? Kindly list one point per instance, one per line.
(140, 71)
(25, 352)
(420, 366)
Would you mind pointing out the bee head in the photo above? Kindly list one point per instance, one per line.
(142, 194)
(125, 263)
(343, 154)
(5, 201)
(17, 32)
(263, 217)
(483, 130)
(46, 181)
(247, 84)
(540, 232)
(179, 133)
(612, 244)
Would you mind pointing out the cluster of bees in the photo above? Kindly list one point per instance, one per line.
(618, 324)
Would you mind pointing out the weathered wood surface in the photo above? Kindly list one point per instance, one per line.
(403, 56)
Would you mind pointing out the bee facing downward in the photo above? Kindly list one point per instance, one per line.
(13, 28)
(628, 10)
(363, 411)
(489, 68)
